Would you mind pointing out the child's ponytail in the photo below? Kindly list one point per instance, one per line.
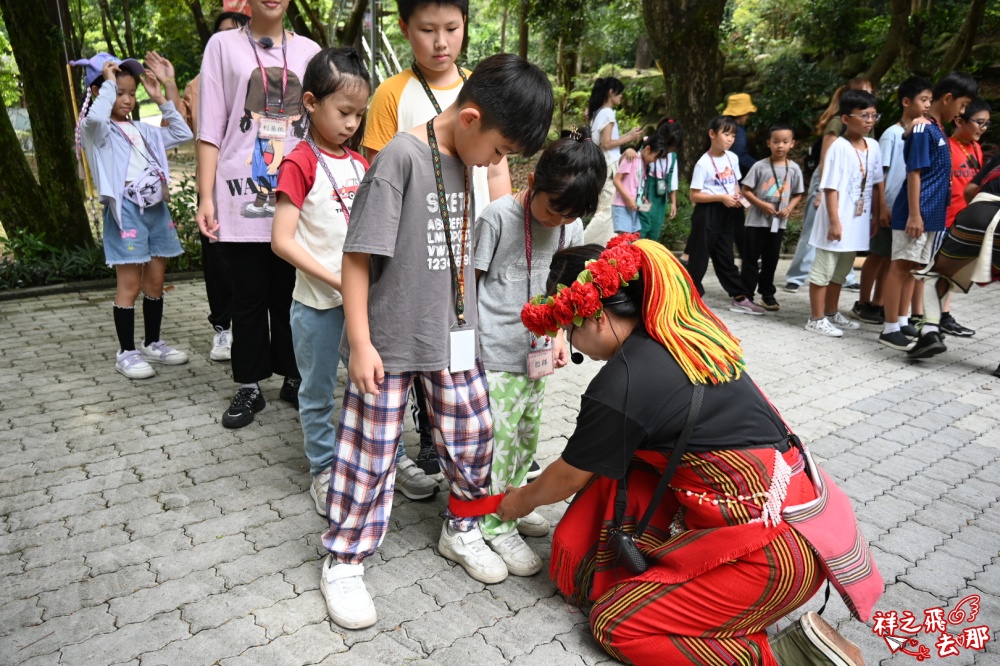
(571, 172)
(599, 95)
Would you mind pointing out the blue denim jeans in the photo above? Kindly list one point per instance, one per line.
(316, 337)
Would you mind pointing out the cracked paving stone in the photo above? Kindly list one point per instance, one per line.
(128, 642)
(236, 602)
(209, 646)
(461, 618)
(467, 651)
(532, 626)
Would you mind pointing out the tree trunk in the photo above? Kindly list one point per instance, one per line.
(129, 41)
(522, 29)
(503, 28)
(899, 34)
(685, 35)
(200, 23)
(58, 12)
(352, 28)
(298, 21)
(56, 206)
(961, 45)
(643, 55)
(316, 22)
(108, 23)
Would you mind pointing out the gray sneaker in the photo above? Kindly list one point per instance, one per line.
(320, 488)
(413, 483)
(812, 642)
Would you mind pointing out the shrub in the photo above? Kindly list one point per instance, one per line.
(28, 261)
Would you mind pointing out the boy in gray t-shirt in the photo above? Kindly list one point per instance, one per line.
(537, 222)
(410, 315)
(774, 187)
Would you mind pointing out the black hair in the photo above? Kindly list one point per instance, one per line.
(567, 264)
(977, 105)
(656, 142)
(780, 126)
(854, 100)
(238, 18)
(911, 87)
(332, 69)
(572, 172)
(959, 84)
(599, 94)
(723, 124)
(407, 7)
(672, 132)
(513, 97)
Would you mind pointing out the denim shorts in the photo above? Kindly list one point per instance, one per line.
(141, 236)
(625, 221)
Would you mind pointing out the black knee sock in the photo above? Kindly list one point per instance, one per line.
(152, 315)
(125, 327)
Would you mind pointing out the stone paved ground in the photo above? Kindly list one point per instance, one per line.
(134, 529)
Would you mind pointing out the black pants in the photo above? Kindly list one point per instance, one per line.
(764, 246)
(262, 286)
(712, 229)
(218, 283)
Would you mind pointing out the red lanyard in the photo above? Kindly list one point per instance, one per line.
(263, 72)
(718, 174)
(329, 174)
(527, 236)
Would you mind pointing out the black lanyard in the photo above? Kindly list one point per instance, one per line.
(457, 267)
(263, 72)
(329, 174)
(777, 182)
(427, 88)
(527, 237)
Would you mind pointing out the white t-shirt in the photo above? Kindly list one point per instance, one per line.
(717, 175)
(891, 146)
(842, 171)
(605, 116)
(662, 168)
(138, 157)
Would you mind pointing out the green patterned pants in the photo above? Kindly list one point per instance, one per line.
(516, 403)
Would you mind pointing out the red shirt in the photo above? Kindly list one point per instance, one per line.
(966, 161)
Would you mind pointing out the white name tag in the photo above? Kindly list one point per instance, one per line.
(541, 363)
(463, 350)
(775, 224)
(273, 128)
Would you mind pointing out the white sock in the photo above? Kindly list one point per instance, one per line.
(904, 321)
(890, 328)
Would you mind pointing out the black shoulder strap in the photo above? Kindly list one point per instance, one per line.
(621, 497)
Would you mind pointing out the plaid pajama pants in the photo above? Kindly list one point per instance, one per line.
(364, 469)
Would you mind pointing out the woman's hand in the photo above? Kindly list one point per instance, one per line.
(512, 506)
(160, 66)
(207, 223)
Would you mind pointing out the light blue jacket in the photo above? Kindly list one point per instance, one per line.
(108, 150)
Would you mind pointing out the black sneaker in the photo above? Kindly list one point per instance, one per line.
(909, 331)
(854, 286)
(996, 373)
(290, 390)
(534, 471)
(896, 340)
(246, 403)
(791, 287)
(927, 345)
(867, 313)
(768, 303)
(427, 459)
(952, 327)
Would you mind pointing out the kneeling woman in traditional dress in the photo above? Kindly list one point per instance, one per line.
(722, 563)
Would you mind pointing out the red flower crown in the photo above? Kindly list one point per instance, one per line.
(602, 278)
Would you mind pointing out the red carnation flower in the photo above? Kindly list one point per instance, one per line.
(622, 239)
(605, 277)
(563, 310)
(627, 261)
(586, 299)
(538, 319)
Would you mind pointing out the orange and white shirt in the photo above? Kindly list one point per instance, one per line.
(322, 225)
(400, 104)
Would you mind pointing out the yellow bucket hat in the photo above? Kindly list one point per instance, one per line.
(739, 104)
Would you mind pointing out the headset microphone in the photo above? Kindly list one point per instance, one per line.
(265, 42)
(576, 357)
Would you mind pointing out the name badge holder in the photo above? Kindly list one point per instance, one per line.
(859, 207)
(462, 337)
(779, 186)
(541, 357)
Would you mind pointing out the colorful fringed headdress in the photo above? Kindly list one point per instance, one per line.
(672, 311)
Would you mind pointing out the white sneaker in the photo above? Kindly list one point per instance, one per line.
(470, 551)
(161, 352)
(133, 365)
(842, 322)
(222, 345)
(347, 598)
(319, 488)
(824, 327)
(519, 558)
(533, 525)
(413, 483)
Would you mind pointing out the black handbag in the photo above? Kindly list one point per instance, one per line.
(621, 543)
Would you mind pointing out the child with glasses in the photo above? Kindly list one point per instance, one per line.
(852, 182)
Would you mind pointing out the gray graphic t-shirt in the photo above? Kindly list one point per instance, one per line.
(396, 219)
(504, 287)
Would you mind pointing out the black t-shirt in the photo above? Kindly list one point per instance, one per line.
(733, 415)
(991, 174)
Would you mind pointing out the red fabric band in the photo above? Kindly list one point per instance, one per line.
(474, 508)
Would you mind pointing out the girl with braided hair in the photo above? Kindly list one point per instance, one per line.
(722, 560)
